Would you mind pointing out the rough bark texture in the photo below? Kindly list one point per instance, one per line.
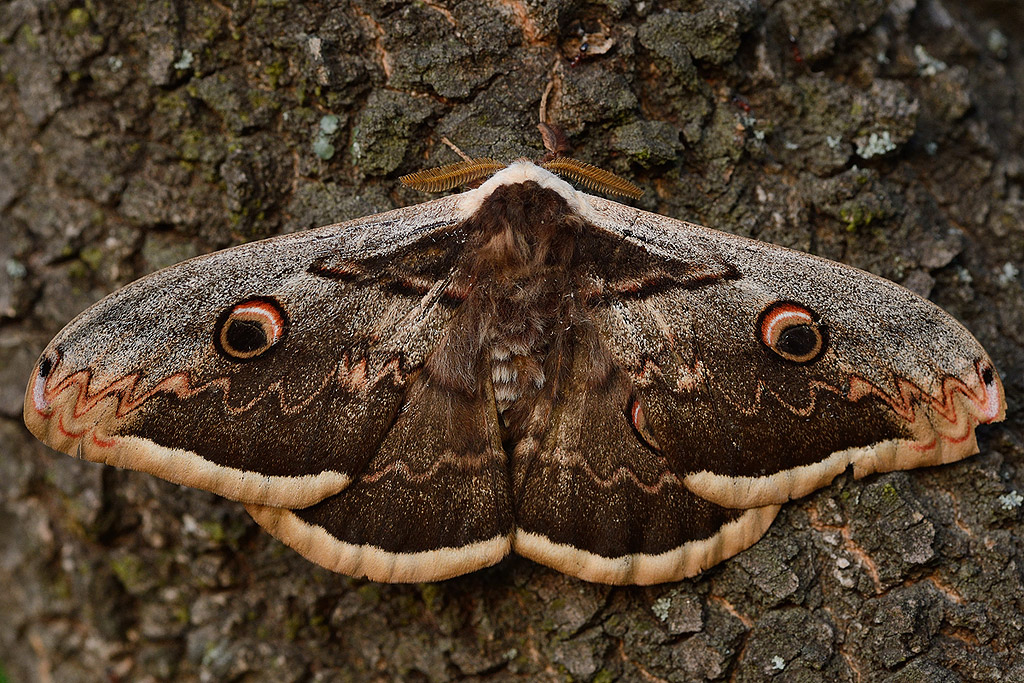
(887, 135)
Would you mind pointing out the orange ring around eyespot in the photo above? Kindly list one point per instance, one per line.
(262, 313)
(784, 316)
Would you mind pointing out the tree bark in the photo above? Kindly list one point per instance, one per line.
(885, 135)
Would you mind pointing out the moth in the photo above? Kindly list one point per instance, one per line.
(410, 396)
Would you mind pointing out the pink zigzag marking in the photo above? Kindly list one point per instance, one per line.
(903, 401)
(124, 390)
(909, 395)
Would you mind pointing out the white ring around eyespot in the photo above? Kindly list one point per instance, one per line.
(264, 311)
(797, 317)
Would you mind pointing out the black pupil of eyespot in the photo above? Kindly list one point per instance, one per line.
(798, 340)
(44, 367)
(245, 336)
(987, 376)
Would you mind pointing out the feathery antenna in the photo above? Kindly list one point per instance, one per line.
(452, 175)
(592, 177)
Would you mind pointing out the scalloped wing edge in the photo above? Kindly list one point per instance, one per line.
(684, 561)
(317, 545)
(939, 438)
(55, 421)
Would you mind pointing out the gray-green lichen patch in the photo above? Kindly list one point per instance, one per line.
(449, 54)
(591, 95)
(323, 140)
(185, 61)
(793, 644)
(708, 35)
(874, 144)
(242, 107)
(384, 128)
(648, 143)
(323, 147)
(1010, 501)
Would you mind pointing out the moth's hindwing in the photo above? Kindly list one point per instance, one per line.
(432, 503)
(595, 500)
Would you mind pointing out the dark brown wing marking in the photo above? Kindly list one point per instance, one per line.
(415, 270)
(615, 269)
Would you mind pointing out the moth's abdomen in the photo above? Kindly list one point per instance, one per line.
(513, 375)
(525, 340)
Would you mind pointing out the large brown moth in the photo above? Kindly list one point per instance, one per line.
(409, 396)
